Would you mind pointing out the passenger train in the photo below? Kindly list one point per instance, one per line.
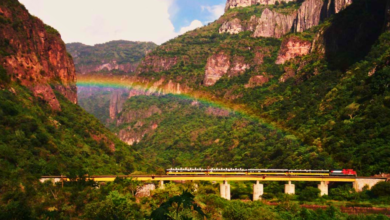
(240, 171)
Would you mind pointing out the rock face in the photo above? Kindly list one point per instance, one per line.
(107, 67)
(118, 98)
(245, 3)
(288, 73)
(258, 80)
(273, 24)
(341, 4)
(309, 15)
(157, 64)
(238, 66)
(232, 27)
(291, 48)
(217, 66)
(145, 190)
(133, 133)
(119, 56)
(36, 56)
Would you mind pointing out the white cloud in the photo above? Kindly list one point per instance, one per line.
(194, 24)
(215, 11)
(99, 21)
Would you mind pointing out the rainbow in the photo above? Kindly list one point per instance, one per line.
(134, 83)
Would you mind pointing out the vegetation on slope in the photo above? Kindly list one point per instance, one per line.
(119, 51)
(117, 200)
(336, 104)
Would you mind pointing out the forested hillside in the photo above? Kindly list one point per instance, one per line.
(43, 130)
(323, 81)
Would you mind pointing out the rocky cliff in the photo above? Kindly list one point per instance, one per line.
(221, 64)
(34, 54)
(245, 3)
(157, 64)
(278, 21)
(37, 80)
(293, 47)
(273, 24)
(115, 56)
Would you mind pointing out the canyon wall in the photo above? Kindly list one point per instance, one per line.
(34, 54)
(111, 57)
(245, 3)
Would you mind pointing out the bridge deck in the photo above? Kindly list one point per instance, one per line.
(222, 178)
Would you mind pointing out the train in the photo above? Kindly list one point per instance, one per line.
(240, 171)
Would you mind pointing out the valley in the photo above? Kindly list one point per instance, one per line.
(295, 90)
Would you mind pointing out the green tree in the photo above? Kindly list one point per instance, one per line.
(177, 208)
(309, 194)
(381, 189)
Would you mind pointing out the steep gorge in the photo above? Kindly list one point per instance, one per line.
(320, 80)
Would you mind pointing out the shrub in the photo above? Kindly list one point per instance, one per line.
(381, 189)
(309, 194)
(4, 77)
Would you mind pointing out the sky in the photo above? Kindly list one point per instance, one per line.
(98, 21)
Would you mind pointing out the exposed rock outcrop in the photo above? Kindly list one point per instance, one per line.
(119, 56)
(341, 4)
(232, 27)
(293, 47)
(245, 3)
(133, 133)
(217, 66)
(118, 98)
(157, 64)
(36, 56)
(108, 67)
(238, 66)
(273, 24)
(289, 72)
(258, 80)
(309, 15)
(145, 190)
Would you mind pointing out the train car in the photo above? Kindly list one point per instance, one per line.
(343, 172)
(267, 171)
(227, 171)
(308, 172)
(186, 171)
(240, 171)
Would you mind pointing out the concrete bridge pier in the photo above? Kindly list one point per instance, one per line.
(258, 191)
(225, 190)
(323, 187)
(289, 188)
(161, 185)
(360, 183)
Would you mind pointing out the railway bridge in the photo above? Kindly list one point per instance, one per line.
(258, 189)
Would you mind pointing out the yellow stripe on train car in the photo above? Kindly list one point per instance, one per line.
(231, 173)
(309, 174)
(187, 173)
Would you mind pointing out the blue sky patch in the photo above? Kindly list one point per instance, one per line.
(183, 12)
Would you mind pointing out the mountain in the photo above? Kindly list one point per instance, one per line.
(316, 70)
(115, 56)
(43, 130)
